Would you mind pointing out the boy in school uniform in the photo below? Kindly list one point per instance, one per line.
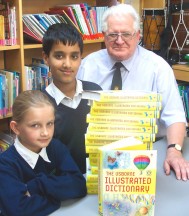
(62, 50)
(36, 172)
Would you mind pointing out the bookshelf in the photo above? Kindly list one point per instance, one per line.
(15, 57)
(181, 72)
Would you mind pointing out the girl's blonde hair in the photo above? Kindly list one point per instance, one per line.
(26, 100)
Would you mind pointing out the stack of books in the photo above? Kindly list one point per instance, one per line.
(116, 115)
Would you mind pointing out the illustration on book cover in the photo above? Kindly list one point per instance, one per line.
(127, 183)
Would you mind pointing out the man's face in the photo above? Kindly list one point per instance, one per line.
(121, 47)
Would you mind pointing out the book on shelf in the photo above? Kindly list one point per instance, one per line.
(9, 37)
(67, 9)
(126, 180)
(9, 89)
(121, 96)
(2, 30)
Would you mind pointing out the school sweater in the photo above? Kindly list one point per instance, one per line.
(70, 126)
(48, 183)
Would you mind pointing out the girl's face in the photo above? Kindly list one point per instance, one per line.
(36, 129)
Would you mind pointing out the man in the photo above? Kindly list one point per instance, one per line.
(141, 70)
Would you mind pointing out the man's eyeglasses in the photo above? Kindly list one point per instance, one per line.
(126, 36)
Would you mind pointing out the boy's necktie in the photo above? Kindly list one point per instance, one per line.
(117, 80)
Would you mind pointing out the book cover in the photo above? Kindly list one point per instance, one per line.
(127, 182)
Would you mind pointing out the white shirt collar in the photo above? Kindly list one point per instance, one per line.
(29, 156)
(58, 95)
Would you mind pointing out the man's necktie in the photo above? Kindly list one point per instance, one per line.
(117, 80)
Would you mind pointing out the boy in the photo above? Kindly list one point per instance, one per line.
(62, 50)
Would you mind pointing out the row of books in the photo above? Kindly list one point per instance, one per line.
(9, 89)
(37, 75)
(8, 35)
(116, 115)
(184, 93)
(86, 19)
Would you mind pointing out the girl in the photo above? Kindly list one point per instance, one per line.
(37, 172)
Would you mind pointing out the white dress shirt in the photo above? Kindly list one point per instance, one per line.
(29, 156)
(60, 97)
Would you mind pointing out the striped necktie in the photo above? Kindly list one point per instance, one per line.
(117, 80)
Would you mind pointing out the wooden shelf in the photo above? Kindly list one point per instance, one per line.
(3, 48)
(181, 72)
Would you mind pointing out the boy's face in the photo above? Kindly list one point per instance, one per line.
(64, 62)
(35, 131)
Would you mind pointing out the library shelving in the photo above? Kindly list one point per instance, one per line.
(15, 57)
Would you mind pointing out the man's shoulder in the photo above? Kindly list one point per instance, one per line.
(90, 85)
(96, 55)
(150, 56)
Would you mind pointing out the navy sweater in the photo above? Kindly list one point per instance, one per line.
(70, 126)
(48, 183)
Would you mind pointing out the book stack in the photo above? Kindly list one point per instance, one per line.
(115, 115)
(127, 179)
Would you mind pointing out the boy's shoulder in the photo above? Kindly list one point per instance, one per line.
(90, 85)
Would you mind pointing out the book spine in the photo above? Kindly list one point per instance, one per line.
(93, 135)
(94, 169)
(128, 105)
(91, 177)
(122, 128)
(92, 185)
(92, 191)
(121, 120)
(129, 113)
(91, 149)
(100, 183)
(105, 97)
(93, 161)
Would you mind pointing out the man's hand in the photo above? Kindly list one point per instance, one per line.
(175, 160)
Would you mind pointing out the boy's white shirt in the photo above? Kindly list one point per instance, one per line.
(60, 97)
(29, 156)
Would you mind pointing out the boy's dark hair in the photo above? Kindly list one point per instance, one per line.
(64, 33)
